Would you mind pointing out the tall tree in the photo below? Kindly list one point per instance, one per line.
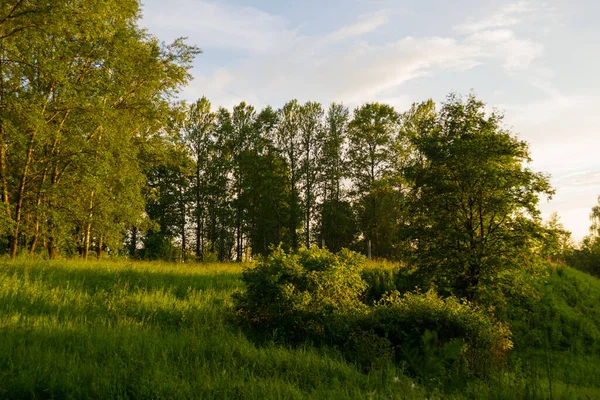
(311, 127)
(243, 139)
(337, 221)
(198, 129)
(288, 140)
(89, 78)
(473, 198)
(371, 135)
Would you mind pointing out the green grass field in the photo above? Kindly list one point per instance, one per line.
(70, 329)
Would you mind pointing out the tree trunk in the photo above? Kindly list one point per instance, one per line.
(182, 222)
(99, 248)
(133, 244)
(20, 196)
(198, 213)
(88, 228)
(294, 210)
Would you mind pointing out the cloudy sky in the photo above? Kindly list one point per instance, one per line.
(536, 60)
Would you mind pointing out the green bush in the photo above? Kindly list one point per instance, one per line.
(321, 297)
(432, 334)
(382, 281)
(313, 294)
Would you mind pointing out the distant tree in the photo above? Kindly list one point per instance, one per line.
(556, 242)
(311, 126)
(243, 138)
(167, 202)
(595, 218)
(221, 215)
(289, 143)
(587, 256)
(371, 135)
(337, 221)
(338, 226)
(473, 198)
(198, 130)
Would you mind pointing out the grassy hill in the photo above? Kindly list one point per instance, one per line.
(149, 330)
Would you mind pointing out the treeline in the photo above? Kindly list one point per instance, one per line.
(238, 182)
(96, 155)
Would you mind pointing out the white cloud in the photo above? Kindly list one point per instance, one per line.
(366, 24)
(336, 66)
(503, 43)
(219, 25)
(509, 15)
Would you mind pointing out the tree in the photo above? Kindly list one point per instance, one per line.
(587, 256)
(77, 81)
(595, 218)
(337, 222)
(473, 199)
(311, 126)
(338, 227)
(198, 129)
(556, 243)
(371, 135)
(288, 141)
(243, 138)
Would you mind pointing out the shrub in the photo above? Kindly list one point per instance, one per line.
(319, 296)
(423, 327)
(382, 281)
(312, 294)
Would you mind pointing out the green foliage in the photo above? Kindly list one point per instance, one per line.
(313, 294)
(587, 256)
(431, 333)
(83, 92)
(564, 317)
(318, 296)
(159, 247)
(338, 227)
(556, 242)
(382, 280)
(473, 200)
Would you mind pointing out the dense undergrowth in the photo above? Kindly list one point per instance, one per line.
(148, 330)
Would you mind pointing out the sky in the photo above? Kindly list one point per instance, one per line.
(538, 61)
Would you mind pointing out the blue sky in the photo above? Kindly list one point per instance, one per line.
(536, 60)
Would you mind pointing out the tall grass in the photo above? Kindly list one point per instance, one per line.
(70, 329)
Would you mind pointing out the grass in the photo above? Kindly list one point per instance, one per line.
(70, 329)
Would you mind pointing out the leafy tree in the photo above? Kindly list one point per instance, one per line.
(556, 242)
(288, 141)
(243, 139)
(311, 126)
(198, 129)
(595, 218)
(265, 196)
(587, 256)
(473, 199)
(371, 135)
(337, 225)
(77, 82)
(168, 197)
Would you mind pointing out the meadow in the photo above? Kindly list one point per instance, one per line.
(129, 330)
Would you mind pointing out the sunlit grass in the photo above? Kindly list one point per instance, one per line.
(121, 329)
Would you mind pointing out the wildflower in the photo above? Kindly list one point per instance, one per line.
(396, 379)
